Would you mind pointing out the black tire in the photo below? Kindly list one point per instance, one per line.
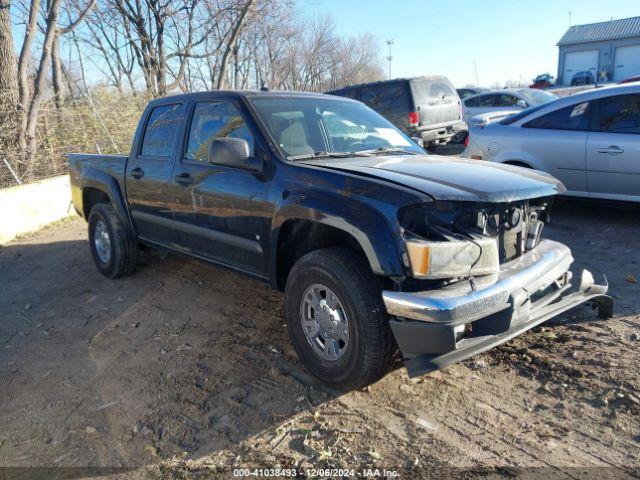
(369, 352)
(123, 247)
(459, 137)
(431, 147)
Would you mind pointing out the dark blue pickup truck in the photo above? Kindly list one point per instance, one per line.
(377, 246)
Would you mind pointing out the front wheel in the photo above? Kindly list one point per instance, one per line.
(336, 320)
(113, 246)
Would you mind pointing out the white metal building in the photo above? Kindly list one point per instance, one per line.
(610, 50)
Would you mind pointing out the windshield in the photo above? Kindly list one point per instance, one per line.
(537, 97)
(311, 126)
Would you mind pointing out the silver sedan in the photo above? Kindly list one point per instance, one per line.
(590, 141)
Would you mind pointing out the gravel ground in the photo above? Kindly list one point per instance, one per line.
(185, 369)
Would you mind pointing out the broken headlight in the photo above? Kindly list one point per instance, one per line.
(462, 239)
(432, 259)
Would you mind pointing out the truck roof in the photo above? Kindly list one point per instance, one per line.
(393, 80)
(239, 93)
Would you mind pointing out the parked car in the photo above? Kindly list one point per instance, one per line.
(423, 107)
(502, 100)
(468, 92)
(486, 118)
(374, 243)
(629, 80)
(583, 78)
(590, 141)
(461, 135)
(545, 80)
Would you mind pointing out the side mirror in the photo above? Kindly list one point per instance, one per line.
(232, 152)
(521, 104)
(419, 141)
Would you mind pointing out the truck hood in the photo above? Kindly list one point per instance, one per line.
(450, 178)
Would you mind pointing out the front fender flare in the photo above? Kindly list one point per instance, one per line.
(378, 238)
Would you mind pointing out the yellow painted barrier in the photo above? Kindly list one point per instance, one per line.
(26, 208)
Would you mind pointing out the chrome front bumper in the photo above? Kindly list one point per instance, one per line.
(527, 291)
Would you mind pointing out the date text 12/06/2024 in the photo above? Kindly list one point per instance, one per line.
(316, 472)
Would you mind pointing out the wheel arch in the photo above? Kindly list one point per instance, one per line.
(517, 163)
(98, 186)
(298, 229)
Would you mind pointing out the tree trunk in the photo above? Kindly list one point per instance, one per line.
(56, 73)
(8, 64)
(232, 42)
(51, 32)
(25, 54)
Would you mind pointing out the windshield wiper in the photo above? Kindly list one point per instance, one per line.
(321, 154)
(360, 153)
(375, 151)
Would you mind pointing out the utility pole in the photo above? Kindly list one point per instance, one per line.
(569, 17)
(389, 57)
(475, 67)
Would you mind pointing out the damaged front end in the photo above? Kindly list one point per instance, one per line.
(481, 274)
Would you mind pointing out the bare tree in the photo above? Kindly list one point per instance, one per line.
(161, 32)
(56, 63)
(8, 65)
(232, 43)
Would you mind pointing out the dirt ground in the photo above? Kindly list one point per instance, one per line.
(185, 369)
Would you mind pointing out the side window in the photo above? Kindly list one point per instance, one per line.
(346, 92)
(574, 117)
(465, 93)
(160, 133)
(489, 101)
(213, 120)
(620, 114)
(472, 102)
(390, 99)
(506, 100)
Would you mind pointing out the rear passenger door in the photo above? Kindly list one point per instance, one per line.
(613, 149)
(149, 173)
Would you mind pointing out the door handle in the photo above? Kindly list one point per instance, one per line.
(137, 173)
(611, 150)
(184, 179)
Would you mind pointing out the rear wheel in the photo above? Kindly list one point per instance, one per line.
(336, 320)
(113, 246)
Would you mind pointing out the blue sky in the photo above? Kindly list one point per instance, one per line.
(507, 39)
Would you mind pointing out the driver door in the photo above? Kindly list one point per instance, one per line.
(222, 213)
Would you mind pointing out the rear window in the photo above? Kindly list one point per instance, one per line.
(160, 131)
(433, 89)
(537, 97)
